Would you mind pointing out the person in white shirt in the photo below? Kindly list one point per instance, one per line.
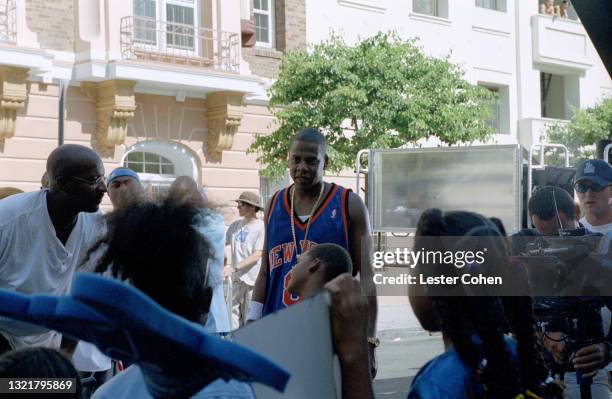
(593, 185)
(245, 237)
(45, 235)
(184, 190)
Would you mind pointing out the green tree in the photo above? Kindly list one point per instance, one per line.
(385, 92)
(582, 132)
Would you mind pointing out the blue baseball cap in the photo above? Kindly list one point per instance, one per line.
(120, 172)
(595, 170)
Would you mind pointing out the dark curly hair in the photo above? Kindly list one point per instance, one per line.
(157, 249)
(39, 362)
(488, 317)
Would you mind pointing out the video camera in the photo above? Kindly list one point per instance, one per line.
(566, 265)
(569, 282)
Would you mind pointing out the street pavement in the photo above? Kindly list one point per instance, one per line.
(404, 348)
(392, 388)
(400, 360)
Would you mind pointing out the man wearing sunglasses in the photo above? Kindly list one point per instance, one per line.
(45, 235)
(593, 185)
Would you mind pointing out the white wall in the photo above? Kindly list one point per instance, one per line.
(480, 40)
(494, 48)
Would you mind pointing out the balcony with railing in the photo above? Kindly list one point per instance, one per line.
(8, 21)
(559, 39)
(148, 39)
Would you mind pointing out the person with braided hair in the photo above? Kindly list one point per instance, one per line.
(481, 360)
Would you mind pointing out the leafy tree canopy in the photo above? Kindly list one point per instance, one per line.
(382, 93)
(583, 131)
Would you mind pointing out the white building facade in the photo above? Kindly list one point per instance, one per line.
(539, 65)
(178, 87)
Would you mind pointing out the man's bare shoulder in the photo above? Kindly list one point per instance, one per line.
(356, 206)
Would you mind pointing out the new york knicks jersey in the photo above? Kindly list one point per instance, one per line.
(329, 225)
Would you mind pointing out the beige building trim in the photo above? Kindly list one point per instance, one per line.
(13, 95)
(115, 106)
(225, 109)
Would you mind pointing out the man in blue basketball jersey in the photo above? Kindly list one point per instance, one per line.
(307, 213)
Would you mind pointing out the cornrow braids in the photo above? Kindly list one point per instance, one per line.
(501, 376)
(463, 317)
(455, 323)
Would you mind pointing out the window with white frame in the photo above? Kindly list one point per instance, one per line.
(149, 162)
(264, 22)
(181, 23)
(497, 5)
(435, 8)
(145, 27)
(499, 118)
(156, 172)
(494, 109)
(176, 18)
(158, 163)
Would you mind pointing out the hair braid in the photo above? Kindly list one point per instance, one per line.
(501, 375)
(455, 322)
(487, 316)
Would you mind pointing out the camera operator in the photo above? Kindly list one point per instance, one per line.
(579, 360)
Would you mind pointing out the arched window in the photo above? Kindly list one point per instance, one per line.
(148, 162)
(158, 163)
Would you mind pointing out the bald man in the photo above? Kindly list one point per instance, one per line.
(45, 235)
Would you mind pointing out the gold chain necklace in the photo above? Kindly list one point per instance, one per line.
(297, 255)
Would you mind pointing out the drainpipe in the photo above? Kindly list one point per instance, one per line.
(63, 86)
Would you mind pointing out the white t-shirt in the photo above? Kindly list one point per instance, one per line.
(87, 357)
(34, 261)
(244, 239)
(605, 312)
(603, 229)
(210, 225)
(130, 384)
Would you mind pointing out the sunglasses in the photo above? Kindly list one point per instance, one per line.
(583, 188)
(100, 180)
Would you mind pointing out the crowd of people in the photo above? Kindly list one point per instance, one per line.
(313, 237)
(557, 10)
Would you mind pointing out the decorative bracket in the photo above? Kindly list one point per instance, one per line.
(115, 105)
(224, 114)
(13, 95)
